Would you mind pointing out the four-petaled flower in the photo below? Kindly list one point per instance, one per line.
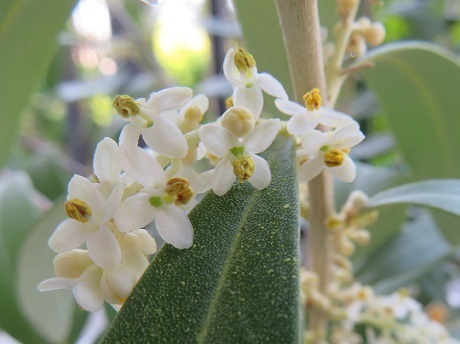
(239, 154)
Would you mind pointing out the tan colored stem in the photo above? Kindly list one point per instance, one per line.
(335, 77)
(301, 31)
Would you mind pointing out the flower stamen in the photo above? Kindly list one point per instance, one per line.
(126, 106)
(243, 168)
(312, 100)
(334, 158)
(78, 210)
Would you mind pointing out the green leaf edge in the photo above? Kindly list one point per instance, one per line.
(132, 325)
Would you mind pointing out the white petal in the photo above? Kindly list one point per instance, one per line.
(143, 241)
(345, 172)
(223, 177)
(106, 162)
(200, 101)
(88, 296)
(218, 140)
(169, 99)
(103, 249)
(262, 136)
(112, 202)
(129, 135)
(229, 67)
(205, 182)
(262, 175)
(312, 141)
(135, 212)
(289, 107)
(136, 262)
(271, 86)
(252, 98)
(82, 189)
(165, 138)
(332, 118)
(346, 137)
(56, 283)
(142, 167)
(120, 283)
(310, 169)
(70, 234)
(300, 124)
(174, 226)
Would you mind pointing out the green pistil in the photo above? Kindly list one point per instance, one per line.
(156, 201)
(237, 151)
(324, 149)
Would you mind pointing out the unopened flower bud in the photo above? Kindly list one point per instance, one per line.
(356, 45)
(360, 236)
(239, 120)
(355, 203)
(78, 210)
(363, 23)
(243, 60)
(346, 246)
(375, 34)
(126, 106)
(71, 264)
(345, 6)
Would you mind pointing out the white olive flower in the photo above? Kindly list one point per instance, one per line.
(161, 200)
(238, 155)
(305, 118)
(330, 150)
(76, 270)
(89, 221)
(240, 69)
(154, 119)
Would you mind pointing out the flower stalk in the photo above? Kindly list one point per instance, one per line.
(299, 21)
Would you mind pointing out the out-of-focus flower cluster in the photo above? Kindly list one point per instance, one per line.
(358, 315)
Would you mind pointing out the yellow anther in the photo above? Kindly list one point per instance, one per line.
(176, 185)
(78, 210)
(229, 102)
(243, 168)
(179, 189)
(312, 100)
(243, 60)
(193, 114)
(126, 106)
(334, 158)
(184, 197)
(239, 120)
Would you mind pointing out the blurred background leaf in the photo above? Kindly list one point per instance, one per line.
(28, 41)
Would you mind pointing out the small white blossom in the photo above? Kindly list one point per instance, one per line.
(330, 150)
(154, 120)
(248, 84)
(303, 120)
(162, 200)
(238, 155)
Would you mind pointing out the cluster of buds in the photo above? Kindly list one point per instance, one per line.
(347, 228)
(365, 33)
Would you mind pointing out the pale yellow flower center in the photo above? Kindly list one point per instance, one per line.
(179, 189)
(334, 158)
